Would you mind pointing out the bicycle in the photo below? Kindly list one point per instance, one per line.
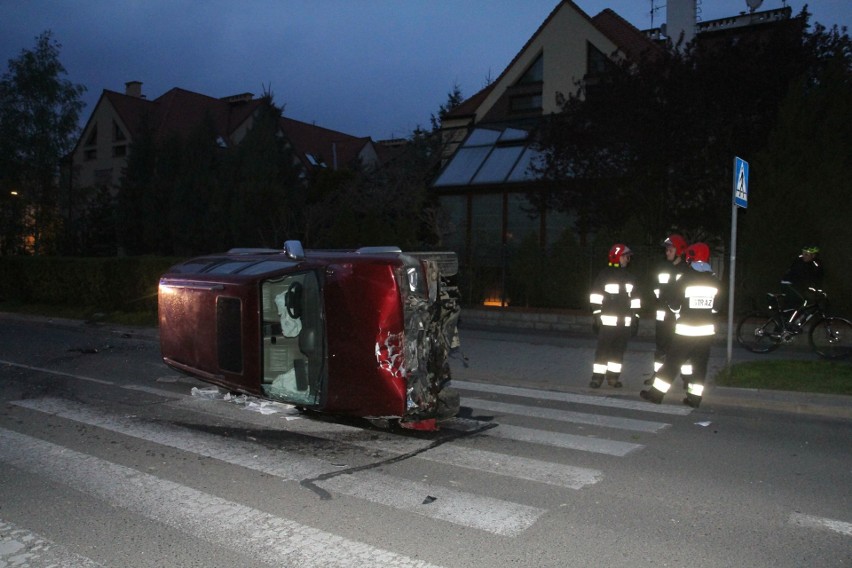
(762, 331)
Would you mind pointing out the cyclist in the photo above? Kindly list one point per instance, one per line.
(803, 276)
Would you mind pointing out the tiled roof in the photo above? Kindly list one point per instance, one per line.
(625, 35)
(179, 111)
(328, 146)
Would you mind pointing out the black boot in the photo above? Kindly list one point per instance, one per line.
(652, 395)
(692, 400)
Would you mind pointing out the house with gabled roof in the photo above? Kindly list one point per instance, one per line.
(485, 178)
(487, 187)
(100, 155)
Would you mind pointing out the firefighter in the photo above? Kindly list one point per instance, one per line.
(695, 300)
(615, 303)
(665, 275)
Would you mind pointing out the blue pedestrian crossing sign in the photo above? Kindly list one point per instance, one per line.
(740, 183)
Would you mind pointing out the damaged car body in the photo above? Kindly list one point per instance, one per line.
(365, 332)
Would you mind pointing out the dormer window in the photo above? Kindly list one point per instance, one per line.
(314, 161)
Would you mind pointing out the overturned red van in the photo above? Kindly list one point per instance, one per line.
(364, 332)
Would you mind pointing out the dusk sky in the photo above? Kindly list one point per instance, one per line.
(374, 68)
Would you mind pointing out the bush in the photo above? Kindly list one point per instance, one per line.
(104, 284)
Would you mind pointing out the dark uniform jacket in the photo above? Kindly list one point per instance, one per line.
(666, 276)
(614, 297)
(696, 302)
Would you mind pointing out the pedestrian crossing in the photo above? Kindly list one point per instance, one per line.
(210, 517)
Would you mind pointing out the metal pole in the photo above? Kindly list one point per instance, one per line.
(731, 269)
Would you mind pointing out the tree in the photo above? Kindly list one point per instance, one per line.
(185, 195)
(387, 205)
(654, 140)
(39, 114)
(270, 190)
(800, 182)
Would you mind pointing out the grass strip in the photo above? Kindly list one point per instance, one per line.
(826, 377)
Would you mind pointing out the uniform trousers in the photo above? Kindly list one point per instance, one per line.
(609, 353)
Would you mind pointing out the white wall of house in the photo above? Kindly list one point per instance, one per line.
(564, 43)
(103, 162)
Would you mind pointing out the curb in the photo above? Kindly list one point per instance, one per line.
(811, 404)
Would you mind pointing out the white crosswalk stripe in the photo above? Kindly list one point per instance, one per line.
(569, 441)
(518, 467)
(566, 415)
(363, 481)
(484, 513)
(257, 534)
(21, 547)
(574, 398)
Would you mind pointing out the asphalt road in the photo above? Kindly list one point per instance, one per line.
(108, 458)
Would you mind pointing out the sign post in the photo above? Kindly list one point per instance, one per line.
(740, 200)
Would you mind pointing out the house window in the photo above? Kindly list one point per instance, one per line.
(119, 151)
(91, 154)
(117, 133)
(525, 103)
(534, 73)
(597, 63)
(93, 136)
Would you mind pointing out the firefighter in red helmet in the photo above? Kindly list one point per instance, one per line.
(615, 302)
(666, 274)
(696, 302)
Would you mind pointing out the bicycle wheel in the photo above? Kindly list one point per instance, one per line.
(831, 337)
(759, 332)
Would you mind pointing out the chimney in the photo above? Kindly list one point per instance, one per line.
(681, 18)
(133, 89)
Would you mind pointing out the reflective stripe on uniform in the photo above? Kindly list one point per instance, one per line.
(635, 303)
(700, 291)
(599, 369)
(686, 369)
(613, 367)
(661, 385)
(695, 330)
(661, 315)
(609, 320)
(663, 277)
(695, 390)
(612, 288)
(596, 299)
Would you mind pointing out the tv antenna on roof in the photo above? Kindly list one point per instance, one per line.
(753, 4)
(654, 10)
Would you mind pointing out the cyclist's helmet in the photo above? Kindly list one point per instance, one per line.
(677, 242)
(810, 250)
(616, 252)
(698, 252)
